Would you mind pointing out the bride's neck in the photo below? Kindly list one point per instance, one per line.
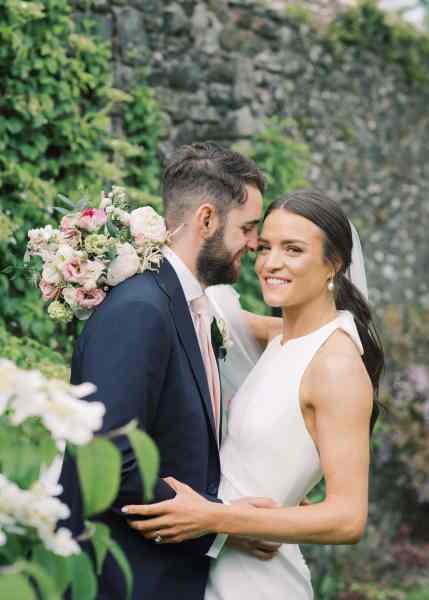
(302, 319)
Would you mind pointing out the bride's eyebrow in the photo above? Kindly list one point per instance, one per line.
(261, 240)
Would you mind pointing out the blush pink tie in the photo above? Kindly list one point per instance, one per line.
(203, 316)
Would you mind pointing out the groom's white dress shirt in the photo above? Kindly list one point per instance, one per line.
(192, 289)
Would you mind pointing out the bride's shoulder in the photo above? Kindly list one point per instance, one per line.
(336, 369)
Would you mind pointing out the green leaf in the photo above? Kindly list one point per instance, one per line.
(112, 229)
(13, 125)
(43, 580)
(147, 459)
(122, 561)
(84, 582)
(58, 566)
(16, 587)
(99, 466)
(100, 540)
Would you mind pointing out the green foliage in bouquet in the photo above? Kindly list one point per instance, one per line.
(56, 137)
(38, 559)
(283, 158)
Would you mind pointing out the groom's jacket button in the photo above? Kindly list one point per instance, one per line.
(212, 489)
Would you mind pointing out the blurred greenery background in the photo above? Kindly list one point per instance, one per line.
(65, 128)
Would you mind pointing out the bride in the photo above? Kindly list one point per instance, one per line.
(305, 411)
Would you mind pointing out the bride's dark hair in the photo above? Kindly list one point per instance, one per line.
(330, 218)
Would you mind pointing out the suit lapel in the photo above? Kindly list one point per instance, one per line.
(169, 282)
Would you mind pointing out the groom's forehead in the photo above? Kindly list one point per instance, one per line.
(251, 210)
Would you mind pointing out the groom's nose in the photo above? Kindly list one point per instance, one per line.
(252, 241)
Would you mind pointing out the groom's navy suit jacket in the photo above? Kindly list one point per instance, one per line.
(140, 349)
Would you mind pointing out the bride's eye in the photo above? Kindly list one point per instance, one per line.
(262, 248)
(294, 250)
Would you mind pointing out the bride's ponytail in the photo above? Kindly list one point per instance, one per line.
(348, 297)
(330, 218)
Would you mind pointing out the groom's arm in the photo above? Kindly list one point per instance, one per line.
(124, 351)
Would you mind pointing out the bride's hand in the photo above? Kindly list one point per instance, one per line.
(185, 517)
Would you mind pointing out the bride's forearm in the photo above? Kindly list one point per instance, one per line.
(322, 523)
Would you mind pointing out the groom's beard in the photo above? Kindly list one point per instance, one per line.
(215, 264)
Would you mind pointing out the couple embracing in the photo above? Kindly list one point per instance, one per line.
(229, 507)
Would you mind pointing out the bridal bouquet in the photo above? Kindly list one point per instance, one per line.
(93, 250)
(37, 417)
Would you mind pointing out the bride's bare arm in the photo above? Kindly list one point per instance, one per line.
(263, 329)
(342, 408)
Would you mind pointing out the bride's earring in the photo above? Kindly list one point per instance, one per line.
(331, 286)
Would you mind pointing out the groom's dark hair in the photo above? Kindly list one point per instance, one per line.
(206, 171)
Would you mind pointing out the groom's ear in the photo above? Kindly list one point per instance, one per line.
(207, 220)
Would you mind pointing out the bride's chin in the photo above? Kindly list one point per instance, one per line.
(272, 301)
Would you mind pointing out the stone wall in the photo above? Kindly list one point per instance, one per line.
(221, 67)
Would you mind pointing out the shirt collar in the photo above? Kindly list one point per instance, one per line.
(190, 284)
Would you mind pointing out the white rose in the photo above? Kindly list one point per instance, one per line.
(125, 265)
(50, 273)
(69, 295)
(64, 254)
(147, 226)
(93, 272)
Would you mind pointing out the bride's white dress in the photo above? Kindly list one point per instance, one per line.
(268, 452)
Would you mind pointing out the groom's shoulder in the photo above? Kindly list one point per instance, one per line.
(141, 289)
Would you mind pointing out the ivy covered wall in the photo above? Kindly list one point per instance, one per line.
(357, 89)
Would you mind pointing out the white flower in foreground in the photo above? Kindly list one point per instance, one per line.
(56, 403)
(62, 543)
(35, 509)
(125, 265)
(29, 398)
(147, 226)
(69, 418)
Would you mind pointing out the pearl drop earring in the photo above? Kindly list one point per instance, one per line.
(331, 286)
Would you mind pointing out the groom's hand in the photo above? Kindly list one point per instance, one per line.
(257, 548)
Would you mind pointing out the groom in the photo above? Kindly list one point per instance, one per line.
(148, 350)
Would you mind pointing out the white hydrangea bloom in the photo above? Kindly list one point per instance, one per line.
(69, 418)
(62, 543)
(58, 404)
(29, 398)
(37, 510)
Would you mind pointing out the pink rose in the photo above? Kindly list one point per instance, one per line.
(86, 273)
(49, 291)
(89, 298)
(72, 270)
(69, 232)
(91, 219)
